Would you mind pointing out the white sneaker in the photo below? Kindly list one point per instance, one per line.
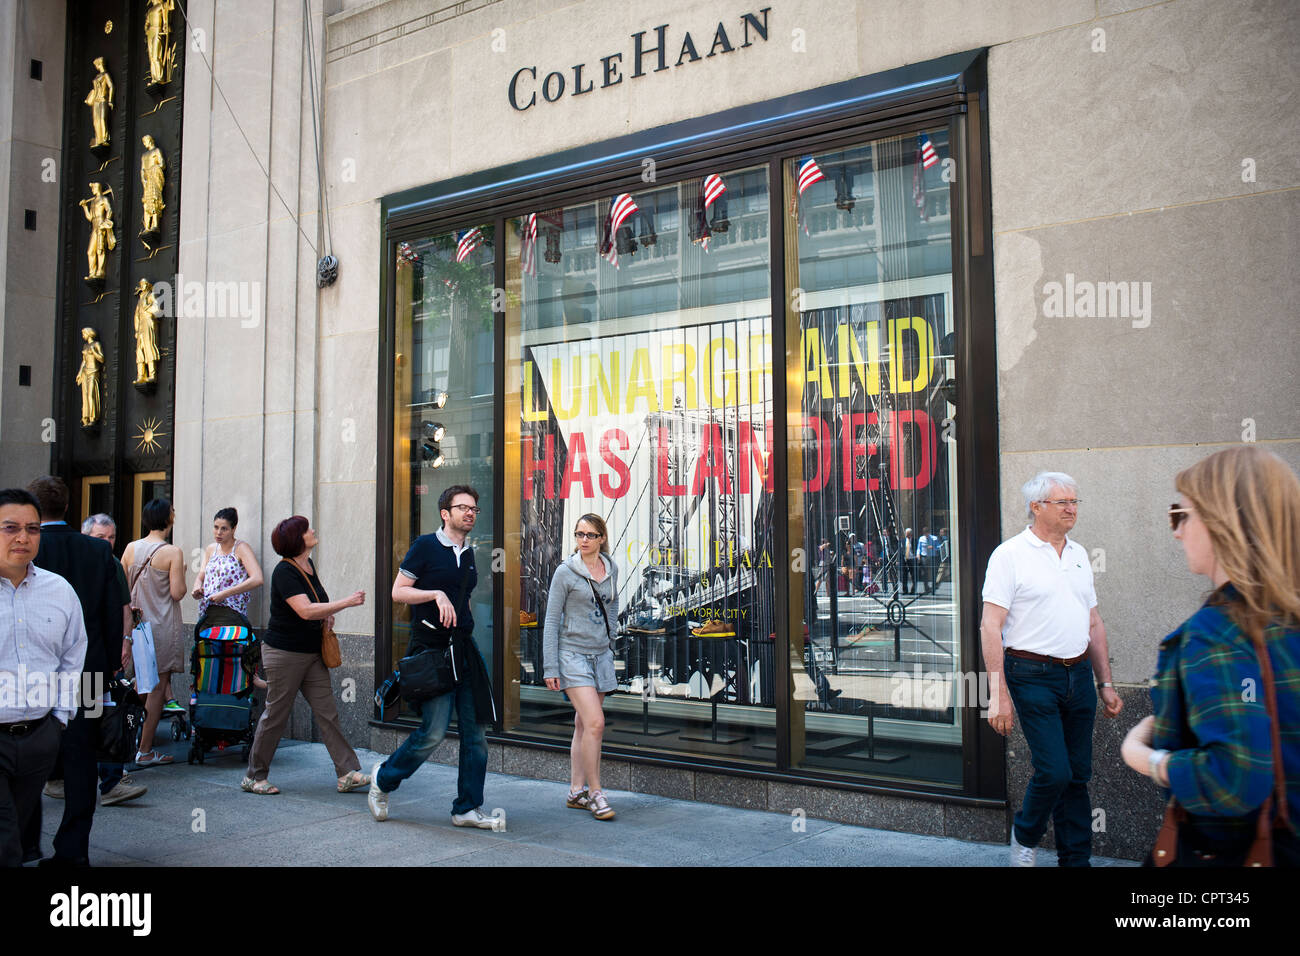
(124, 790)
(477, 818)
(376, 798)
(1021, 855)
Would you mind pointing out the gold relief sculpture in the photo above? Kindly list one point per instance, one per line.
(157, 31)
(152, 179)
(92, 361)
(99, 211)
(100, 101)
(146, 334)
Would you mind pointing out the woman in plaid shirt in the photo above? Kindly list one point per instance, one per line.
(1209, 741)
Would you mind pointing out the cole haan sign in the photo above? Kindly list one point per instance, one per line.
(651, 53)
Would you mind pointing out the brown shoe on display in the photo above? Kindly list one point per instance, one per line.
(527, 619)
(714, 628)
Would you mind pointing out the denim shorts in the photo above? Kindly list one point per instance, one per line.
(587, 670)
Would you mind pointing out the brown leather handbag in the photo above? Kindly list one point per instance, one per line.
(330, 652)
(1168, 843)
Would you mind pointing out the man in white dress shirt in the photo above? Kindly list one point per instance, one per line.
(42, 649)
(1044, 644)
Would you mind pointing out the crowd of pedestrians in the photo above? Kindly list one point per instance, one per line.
(1229, 760)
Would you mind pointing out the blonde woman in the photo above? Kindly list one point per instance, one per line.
(1210, 740)
(578, 656)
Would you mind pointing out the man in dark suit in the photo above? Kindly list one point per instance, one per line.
(89, 566)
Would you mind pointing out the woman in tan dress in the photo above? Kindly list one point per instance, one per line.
(156, 572)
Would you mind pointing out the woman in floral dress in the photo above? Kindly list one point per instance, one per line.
(230, 571)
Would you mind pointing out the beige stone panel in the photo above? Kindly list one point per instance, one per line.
(1106, 8)
(196, 134)
(39, 118)
(1220, 346)
(233, 323)
(391, 34)
(1145, 590)
(352, 303)
(389, 131)
(491, 132)
(191, 353)
(277, 479)
(293, 152)
(1184, 92)
(894, 33)
(345, 521)
(239, 191)
(244, 21)
(27, 324)
(187, 495)
(31, 256)
(349, 372)
(301, 476)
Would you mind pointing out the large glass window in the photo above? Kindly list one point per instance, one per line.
(443, 401)
(873, 462)
(639, 350)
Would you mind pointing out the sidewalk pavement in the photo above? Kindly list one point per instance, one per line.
(197, 816)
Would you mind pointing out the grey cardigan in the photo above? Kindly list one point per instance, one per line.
(573, 619)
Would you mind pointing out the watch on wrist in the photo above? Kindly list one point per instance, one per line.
(1105, 683)
(1154, 760)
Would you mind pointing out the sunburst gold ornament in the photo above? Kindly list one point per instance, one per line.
(146, 438)
(108, 26)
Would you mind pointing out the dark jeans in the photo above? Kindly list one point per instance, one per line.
(25, 763)
(110, 774)
(80, 788)
(1057, 706)
(435, 716)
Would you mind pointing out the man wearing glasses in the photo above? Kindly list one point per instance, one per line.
(436, 578)
(42, 649)
(1044, 644)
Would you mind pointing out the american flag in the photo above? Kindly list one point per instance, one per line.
(620, 208)
(928, 156)
(713, 188)
(809, 173)
(469, 240)
(528, 246)
(918, 177)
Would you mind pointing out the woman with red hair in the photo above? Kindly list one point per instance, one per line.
(292, 658)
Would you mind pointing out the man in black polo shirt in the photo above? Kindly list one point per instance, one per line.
(89, 566)
(436, 578)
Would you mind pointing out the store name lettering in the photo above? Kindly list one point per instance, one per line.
(710, 376)
(525, 87)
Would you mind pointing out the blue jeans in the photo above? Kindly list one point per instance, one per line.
(435, 716)
(1057, 706)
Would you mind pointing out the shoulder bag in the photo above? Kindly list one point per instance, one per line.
(329, 642)
(431, 672)
(1174, 846)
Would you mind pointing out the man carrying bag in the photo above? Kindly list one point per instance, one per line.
(437, 567)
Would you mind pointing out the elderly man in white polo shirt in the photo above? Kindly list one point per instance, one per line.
(1044, 645)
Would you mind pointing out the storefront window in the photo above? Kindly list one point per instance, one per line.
(873, 461)
(639, 389)
(443, 408)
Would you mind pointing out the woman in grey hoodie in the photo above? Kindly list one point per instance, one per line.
(578, 655)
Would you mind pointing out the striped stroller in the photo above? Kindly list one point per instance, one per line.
(221, 706)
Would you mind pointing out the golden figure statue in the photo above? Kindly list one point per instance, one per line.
(100, 101)
(92, 360)
(157, 31)
(152, 165)
(99, 211)
(146, 334)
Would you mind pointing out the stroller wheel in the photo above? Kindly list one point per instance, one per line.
(176, 731)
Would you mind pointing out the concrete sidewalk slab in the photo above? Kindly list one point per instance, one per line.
(197, 816)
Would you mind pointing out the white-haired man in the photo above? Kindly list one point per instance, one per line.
(1044, 645)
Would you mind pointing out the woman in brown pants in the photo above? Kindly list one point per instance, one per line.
(293, 662)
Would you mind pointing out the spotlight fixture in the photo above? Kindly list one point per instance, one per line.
(439, 399)
(431, 454)
(435, 431)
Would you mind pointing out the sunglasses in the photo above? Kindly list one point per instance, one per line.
(1177, 515)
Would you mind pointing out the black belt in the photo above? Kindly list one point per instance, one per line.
(1043, 658)
(23, 727)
